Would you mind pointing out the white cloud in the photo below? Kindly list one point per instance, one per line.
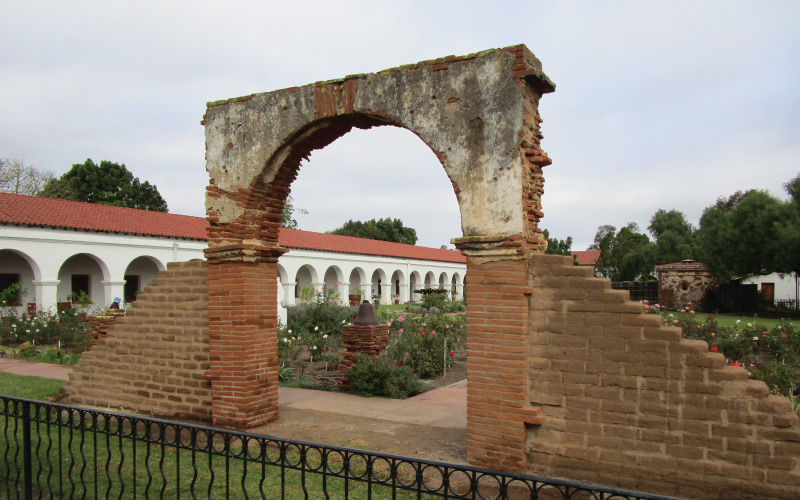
(658, 105)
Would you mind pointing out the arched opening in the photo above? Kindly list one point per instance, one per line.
(399, 287)
(82, 274)
(16, 267)
(305, 281)
(357, 280)
(333, 276)
(139, 273)
(414, 281)
(379, 286)
(455, 287)
(383, 172)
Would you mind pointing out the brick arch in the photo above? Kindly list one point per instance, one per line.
(477, 113)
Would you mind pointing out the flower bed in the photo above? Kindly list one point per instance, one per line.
(771, 355)
(53, 336)
(426, 344)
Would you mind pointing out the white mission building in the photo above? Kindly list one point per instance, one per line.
(58, 247)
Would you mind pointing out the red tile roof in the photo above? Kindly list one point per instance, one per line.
(292, 238)
(63, 214)
(37, 211)
(587, 257)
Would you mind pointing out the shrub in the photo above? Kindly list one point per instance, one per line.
(57, 357)
(432, 297)
(771, 355)
(27, 350)
(325, 313)
(332, 352)
(454, 306)
(379, 376)
(780, 378)
(285, 373)
(426, 343)
(63, 329)
(12, 295)
(289, 345)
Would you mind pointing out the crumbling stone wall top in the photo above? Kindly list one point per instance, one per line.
(469, 110)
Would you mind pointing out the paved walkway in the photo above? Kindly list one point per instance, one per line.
(443, 407)
(45, 370)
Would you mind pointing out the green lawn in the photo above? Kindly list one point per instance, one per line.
(74, 463)
(22, 386)
(726, 320)
(392, 307)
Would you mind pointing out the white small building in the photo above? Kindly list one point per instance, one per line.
(774, 287)
(56, 247)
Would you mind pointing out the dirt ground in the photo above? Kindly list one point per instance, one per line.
(419, 441)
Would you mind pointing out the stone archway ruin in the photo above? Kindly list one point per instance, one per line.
(477, 113)
(566, 377)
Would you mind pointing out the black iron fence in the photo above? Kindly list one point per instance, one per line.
(50, 450)
(639, 290)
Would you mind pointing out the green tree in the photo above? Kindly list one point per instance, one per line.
(18, 178)
(788, 235)
(602, 231)
(556, 246)
(625, 255)
(287, 216)
(380, 229)
(108, 184)
(747, 233)
(673, 236)
(559, 247)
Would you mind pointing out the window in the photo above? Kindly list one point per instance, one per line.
(6, 280)
(80, 283)
(131, 287)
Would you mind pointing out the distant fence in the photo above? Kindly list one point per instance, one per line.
(57, 451)
(738, 298)
(639, 290)
(785, 306)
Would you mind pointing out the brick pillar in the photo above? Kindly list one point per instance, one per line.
(497, 351)
(242, 324)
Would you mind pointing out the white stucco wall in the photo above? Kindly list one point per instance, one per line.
(784, 286)
(46, 259)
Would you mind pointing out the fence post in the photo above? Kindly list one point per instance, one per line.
(26, 449)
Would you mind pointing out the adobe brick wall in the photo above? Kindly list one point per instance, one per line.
(154, 359)
(629, 403)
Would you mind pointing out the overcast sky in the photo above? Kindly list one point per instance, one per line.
(666, 104)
